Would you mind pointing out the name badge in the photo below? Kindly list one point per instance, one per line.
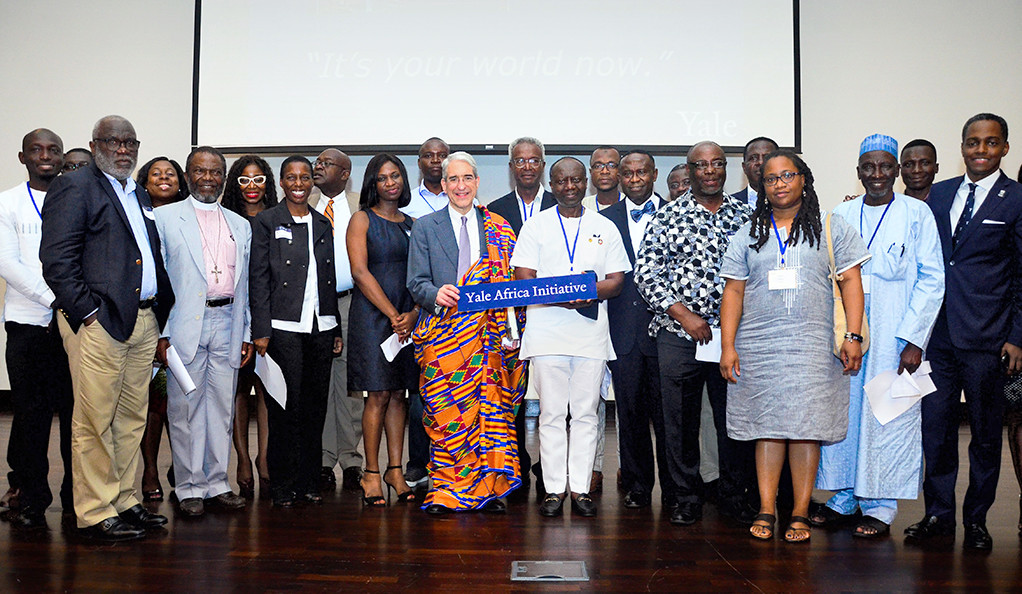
(148, 212)
(866, 278)
(782, 278)
(282, 233)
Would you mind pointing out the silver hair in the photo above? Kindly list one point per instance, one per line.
(460, 156)
(111, 118)
(525, 140)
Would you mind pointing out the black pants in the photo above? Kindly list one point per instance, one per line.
(979, 374)
(682, 379)
(295, 445)
(637, 397)
(40, 386)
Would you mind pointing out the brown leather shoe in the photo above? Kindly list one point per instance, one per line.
(192, 507)
(226, 500)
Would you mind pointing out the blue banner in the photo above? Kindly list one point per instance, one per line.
(551, 289)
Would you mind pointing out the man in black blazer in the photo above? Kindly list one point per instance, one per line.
(636, 372)
(752, 164)
(978, 331)
(100, 253)
(527, 159)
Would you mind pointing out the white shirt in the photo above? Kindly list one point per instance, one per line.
(424, 202)
(752, 197)
(27, 298)
(342, 215)
(529, 211)
(591, 203)
(554, 330)
(136, 220)
(637, 230)
(472, 224)
(310, 301)
(958, 204)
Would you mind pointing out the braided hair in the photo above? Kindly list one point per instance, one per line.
(807, 222)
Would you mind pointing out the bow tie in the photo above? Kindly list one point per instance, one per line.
(645, 210)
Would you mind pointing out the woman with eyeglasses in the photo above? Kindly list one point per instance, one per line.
(249, 190)
(787, 390)
(164, 180)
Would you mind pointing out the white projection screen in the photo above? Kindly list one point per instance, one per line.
(370, 75)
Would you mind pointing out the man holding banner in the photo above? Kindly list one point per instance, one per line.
(569, 343)
(469, 417)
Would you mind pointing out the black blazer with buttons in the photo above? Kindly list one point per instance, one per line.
(278, 268)
(628, 314)
(90, 258)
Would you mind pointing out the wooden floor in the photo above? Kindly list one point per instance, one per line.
(340, 546)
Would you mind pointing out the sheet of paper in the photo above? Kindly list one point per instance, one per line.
(710, 352)
(156, 369)
(779, 279)
(891, 395)
(273, 378)
(180, 372)
(392, 346)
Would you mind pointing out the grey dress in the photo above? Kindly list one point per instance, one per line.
(791, 385)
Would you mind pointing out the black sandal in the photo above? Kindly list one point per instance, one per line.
(406, 497)
(792, 531)
(770, 518)
(375, 500)
(880, 529)
(825, 517)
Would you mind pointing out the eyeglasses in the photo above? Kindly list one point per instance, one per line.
(704, 165)
(520, 162)
(604, 166)
(258, 180)
(113, 144)
(317, 163)
(787, 176)
(629, 174)
(69, 167)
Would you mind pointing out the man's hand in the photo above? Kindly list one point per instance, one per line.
(338, 345)
(1014, 358)
(247, 352)
(911, 357)
(696, 327)
(89, 320)
(161, 350)
(577, 303)
(261, 344)
(447, 296)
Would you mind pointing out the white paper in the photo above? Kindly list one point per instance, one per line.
(180, 372)
(710, 352)
(156, 369)
(273, 378)
(891, 395)
(392, 346)
(866, 282)
(779, 279)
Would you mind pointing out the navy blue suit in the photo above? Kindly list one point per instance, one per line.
(980, 313)
(507, 207)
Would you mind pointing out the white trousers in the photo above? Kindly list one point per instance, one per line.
(564, 384)
(201, 422)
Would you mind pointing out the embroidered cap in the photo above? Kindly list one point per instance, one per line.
(879, 142)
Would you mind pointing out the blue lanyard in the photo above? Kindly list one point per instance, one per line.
(781, 245)
(528, 213)
(571, 249)
(425, 200)
(884, 214)
(32, 198)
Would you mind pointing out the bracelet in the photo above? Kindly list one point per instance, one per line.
(850, 336)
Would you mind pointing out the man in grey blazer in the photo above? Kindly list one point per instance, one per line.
(205, 249)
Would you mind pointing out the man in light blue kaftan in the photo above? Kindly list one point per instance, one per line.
(904, 286)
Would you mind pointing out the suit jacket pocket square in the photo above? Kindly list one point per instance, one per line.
(992, 222)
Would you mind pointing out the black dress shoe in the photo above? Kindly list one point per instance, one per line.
(435, 509)
(139, 517)
(495, 506)
(552, 505)
(327, 479)
(669, 502)
(686, 514)
(583, 505)
(112, 530)
(25, 518)
(739, 511)
(637, 499)
(977, 537)
(930, 527)
(351, 478)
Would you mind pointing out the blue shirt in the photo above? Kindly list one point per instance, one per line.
(129, 202)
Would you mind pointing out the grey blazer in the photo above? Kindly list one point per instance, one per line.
(433, 256)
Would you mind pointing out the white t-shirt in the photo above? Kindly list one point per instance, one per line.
(551, 329)
(27, 298)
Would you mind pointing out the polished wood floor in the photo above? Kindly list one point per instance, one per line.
(340, 546)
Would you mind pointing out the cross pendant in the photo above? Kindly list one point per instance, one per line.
(216, 273)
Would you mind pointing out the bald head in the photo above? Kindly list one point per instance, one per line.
(707, 166)
(331, 171)
(43, 134)
(42, 153)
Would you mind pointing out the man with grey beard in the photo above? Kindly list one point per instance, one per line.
(205, 250)
(101, 258)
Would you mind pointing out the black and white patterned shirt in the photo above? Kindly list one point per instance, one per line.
(680, 259)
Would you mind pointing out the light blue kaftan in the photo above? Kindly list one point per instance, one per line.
(906, 291)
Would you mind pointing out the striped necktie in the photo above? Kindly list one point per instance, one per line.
(328, 212)
(963, 221)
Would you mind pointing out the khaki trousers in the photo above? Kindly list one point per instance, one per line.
(111, 392)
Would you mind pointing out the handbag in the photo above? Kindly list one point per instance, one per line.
(1013, 392)
(840, 323)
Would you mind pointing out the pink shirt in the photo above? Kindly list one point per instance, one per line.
(218, 250)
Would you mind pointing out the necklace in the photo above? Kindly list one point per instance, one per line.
(216, 272)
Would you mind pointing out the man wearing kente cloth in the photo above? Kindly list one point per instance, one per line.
(471, 380)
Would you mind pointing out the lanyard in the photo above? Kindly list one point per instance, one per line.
(32, 198)
(571, 249)
(781, 245)
(862, 207)
(528, 213)
(425, 200)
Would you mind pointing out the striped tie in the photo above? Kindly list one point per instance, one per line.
(328, 212)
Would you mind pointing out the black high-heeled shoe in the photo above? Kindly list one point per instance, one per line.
(375, 500)
(405, 497)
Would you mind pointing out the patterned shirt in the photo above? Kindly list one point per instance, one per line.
(680, 259)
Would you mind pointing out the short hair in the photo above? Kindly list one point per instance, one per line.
(678, 167)
(606, 147)
(206, 150)
(233, 199)
(112, 118)
(142, 175)
(460, 156)
(78, 150)
(436, 138)
(567, 158)
(919, 142)
(745, 151)
(979, 117)
(639, 152)
(294, 159)
(526, 140)
(369, 197)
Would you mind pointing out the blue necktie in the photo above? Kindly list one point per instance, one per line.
(963, 221)
(638, 212)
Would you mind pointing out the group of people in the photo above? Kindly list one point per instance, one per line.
(356, 298)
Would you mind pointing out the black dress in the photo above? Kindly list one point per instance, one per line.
(368, 369)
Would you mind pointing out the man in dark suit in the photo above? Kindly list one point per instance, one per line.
(636, 372)
(528, 158)
(752, 164)
(978, 331)
(100, 253)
